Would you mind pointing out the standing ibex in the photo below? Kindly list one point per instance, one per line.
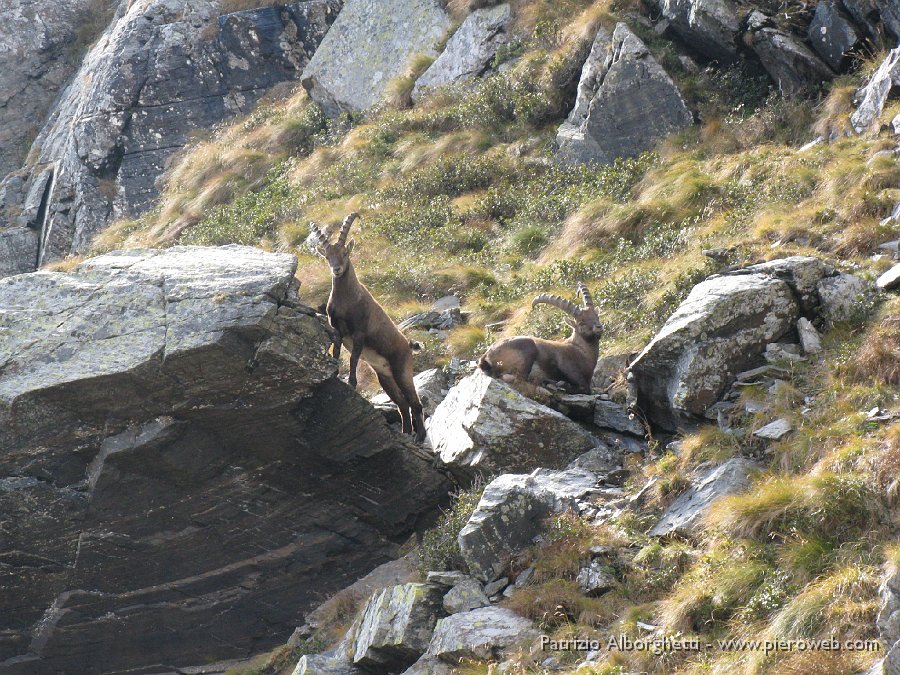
(538, 361)
(363, 326)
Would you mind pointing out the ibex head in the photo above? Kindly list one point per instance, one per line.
(585, 321)
(338, 253)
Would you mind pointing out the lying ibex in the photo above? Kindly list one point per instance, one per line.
(538, 361)
(363, 326)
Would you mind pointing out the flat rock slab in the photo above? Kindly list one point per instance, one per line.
(511, 513)
(774, 431)
(153, 405)
(685, 515)
(486, 426)
(370, 43)
(626, 103)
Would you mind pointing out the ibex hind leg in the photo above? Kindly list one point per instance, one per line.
(393, 391)
(405, 381)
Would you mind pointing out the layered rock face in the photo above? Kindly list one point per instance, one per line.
(181, 475)
(163, 69)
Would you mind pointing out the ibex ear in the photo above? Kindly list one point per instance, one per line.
(350, 246)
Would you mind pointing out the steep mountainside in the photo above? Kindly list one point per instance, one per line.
(722, 174)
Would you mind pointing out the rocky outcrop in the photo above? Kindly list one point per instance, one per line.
(726, 324)
(182, 474)
(511, 512)
(40, 42)
(371, 43)
(832, 34)
(471, 50)
(626, 103)
(790, 63)
(872, 97)
(485, 426)
(163, 69)
(712, 27)
(685, 515)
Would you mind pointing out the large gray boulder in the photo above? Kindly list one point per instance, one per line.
(789, 62)
(872, 97)
(371, 43)
(721, 329)
(511, 513)
(396, 626)
(685, 515)
(626, 103)
(485, 426)
(161, 70)
(481, 634)
(471, 50)
(153, 405)
(832, 34)
(712, 27)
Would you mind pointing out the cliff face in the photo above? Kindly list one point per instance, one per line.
(39, 43)
(162, 70)
(182, 474)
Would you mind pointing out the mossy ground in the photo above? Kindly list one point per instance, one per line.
(459, 195)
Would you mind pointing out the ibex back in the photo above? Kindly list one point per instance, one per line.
(538, 361)
(364, 328)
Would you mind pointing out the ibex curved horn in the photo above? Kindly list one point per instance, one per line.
(585, 295)
(318, 235)
(565, 305)
(345, 228)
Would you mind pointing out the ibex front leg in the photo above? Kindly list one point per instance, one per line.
(358, 344)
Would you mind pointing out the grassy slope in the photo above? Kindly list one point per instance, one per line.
(458, 195)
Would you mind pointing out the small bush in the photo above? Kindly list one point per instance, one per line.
(439, 548)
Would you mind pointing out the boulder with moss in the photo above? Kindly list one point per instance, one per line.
(395, 627)
(480, 634)
(371, 43)
(511, 513)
